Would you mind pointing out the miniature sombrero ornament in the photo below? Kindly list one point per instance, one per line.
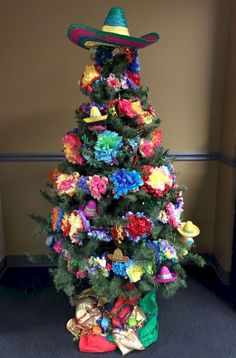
(165, 276)
(95, 116)
(118, 256)
(188, 229)
(90, 210)
(114, 33)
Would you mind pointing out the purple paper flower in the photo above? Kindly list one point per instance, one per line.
(82, 184)
(99, 234)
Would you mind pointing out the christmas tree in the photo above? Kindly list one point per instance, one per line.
(116, 224)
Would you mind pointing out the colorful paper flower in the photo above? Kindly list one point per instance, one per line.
(113, 82)
(97, 186)
(157, 180)
(145, 118)
(133, 79)
(138, 227)
(57, 247)
(56, 218)
(65, 225)
(107, 147)
(118, 233)
(127, 108)
(99, 234)
(163, 250)
(67, 183)
(134, 272)
(125, 181)
(119, 268)
(78, 223)
(82, 184)
(49, 242)
(97, 263)
(156, 137)
(71, 146)
(146, 148)
(91, 74)
(85, 108)
(162, 217)
(174, 214)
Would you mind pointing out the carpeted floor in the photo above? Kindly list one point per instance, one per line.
(196, 323)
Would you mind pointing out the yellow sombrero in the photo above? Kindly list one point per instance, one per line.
(188, 229)
(95, 115)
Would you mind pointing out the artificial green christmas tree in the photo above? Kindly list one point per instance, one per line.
(116, 224)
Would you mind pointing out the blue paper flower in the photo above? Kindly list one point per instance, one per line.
(99, 234)
(163, 250)
(124, 181)
(82, 184)
(107, 147)
(119, 268)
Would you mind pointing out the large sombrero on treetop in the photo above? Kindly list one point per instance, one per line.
(114, 33)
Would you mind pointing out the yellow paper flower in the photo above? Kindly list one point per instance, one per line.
(90, 74)
(157, 179)
(135, 273)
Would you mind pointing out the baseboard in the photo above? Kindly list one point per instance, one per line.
(3, 266)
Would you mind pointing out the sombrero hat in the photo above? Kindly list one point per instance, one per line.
(118, 256)
(114, 33)
(165, 276)
(188, 229)
(95, 115)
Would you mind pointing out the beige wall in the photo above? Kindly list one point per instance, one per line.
(39, 71)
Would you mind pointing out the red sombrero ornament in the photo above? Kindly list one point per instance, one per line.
(114, 33)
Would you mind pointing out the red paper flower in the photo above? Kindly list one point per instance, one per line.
(138, 226)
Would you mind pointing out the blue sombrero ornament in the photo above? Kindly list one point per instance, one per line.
(114, 33)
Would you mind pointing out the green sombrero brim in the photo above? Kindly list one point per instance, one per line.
(87, 37)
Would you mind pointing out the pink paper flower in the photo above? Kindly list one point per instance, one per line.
(97, 186)
(66, 184)
(125, 106)
(146, 148)
(57, 248)
(113, 82)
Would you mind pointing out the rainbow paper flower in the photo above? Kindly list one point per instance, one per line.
(56, 218)
(162, 217)
(107, 147)
(138, 227)
(174, 213)
(65, 225)
(97, 186)
(97, 263)
(157, 180)
(71, 146)
(78, 223)
(67, 183)
(125, 181)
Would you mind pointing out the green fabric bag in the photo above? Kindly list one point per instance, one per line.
(148, 334)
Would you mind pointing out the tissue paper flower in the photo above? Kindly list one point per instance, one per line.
(82, 184)
(107, 146)
(65, 225)
(156, 137)
(67, 183)
(157, 180)
(163, 250)
(100, 234)
(56, 218)
(91, 73)
(128, 108)
(71, 145)
(97, 186)
(162, 217)
(138, 227)
(174, 214)
(146, 148)
(125, 181)
(134, 272)
(97, 263)
(78, 223)
(119, 268)
(113, 82)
